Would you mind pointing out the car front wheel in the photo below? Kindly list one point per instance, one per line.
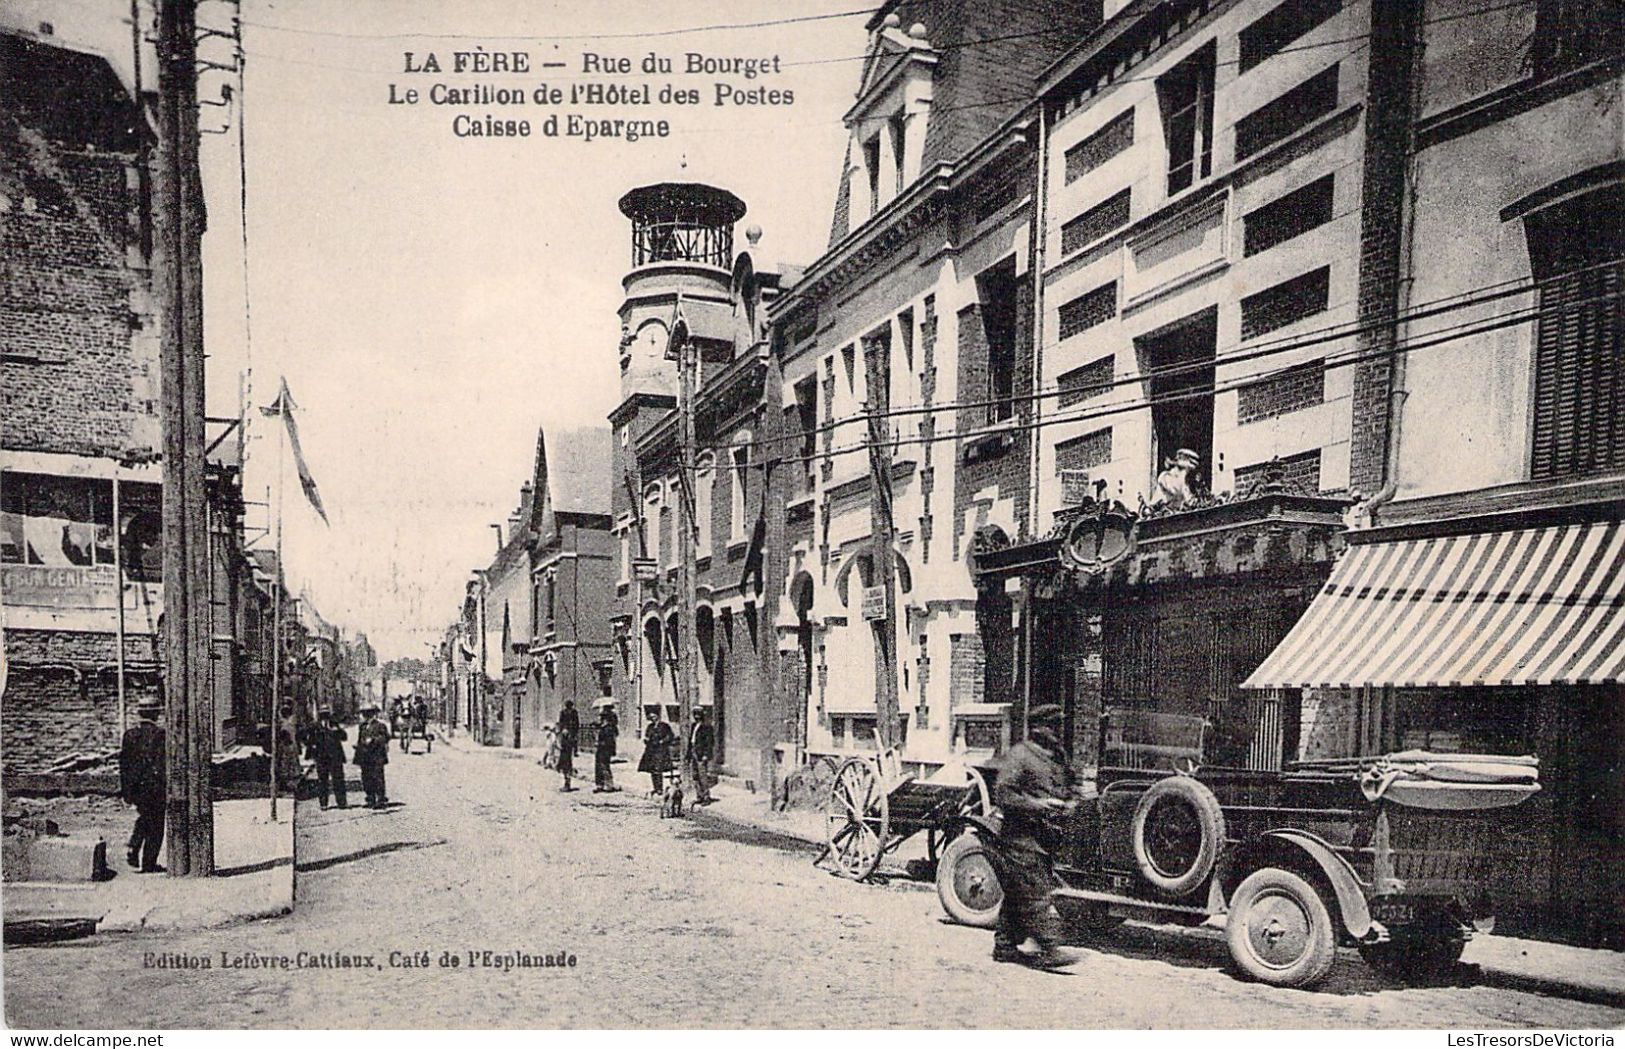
(1279, 931)
(967, 884)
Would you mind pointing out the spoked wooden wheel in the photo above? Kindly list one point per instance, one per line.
(857, 819)
(977, 801)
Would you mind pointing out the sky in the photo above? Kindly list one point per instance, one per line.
(432, 300)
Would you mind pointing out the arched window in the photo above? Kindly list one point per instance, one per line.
(651, 522)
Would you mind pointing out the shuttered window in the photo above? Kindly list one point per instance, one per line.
(1580, 374)
(1579, 389)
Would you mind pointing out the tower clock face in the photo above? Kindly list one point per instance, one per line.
(653, 340)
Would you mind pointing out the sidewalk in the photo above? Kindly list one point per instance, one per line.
(254, 878)
(1530, 964)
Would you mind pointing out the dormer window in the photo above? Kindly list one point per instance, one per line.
(871, 166)
(897, 126)
(888, 122)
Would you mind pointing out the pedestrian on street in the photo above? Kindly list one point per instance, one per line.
(372, 754)
(1033, 785)
(658, 739)
(609, 727)
(569, 733)
(329, 755)
(702, 750)
(143, 782)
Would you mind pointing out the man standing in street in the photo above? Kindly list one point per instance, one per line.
(372, 754)
(329, 747)
(609, 727)
(143, 782)
(569, 732)
(702, 750)
(1033, 785)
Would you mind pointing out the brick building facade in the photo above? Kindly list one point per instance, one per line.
(925, 297)
(78, 404)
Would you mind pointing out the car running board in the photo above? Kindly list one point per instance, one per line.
(1150, 908)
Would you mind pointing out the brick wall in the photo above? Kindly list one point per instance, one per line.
(1382, 212)
(1301, 472)
(967, 669)
(62, 696)
(1301, 386)
(79, 374)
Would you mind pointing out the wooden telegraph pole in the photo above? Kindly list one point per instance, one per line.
(178, 228)
(688, 652)
(877, 368)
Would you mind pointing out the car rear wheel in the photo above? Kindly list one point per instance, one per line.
(1279, 931)
(967, 884)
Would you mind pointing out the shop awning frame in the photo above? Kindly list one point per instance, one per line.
(1521, 606)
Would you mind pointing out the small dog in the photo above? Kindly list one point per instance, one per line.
(671, 802)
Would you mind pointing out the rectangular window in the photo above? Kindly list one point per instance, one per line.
(1185, 96)
(1289, 390)
(898, 128)
(1092, 379)
(1100, 147)
(1300, 473)
(871, 165)
(1573, 33)
(1000, 291)
(736, 507)
(1290, 216)
(905, 336)
(1297, 109)
(59, 522)
(849, 359)
(1579, 394)
(1274, 31)
(1110, 214)
(1086, 452)
(877, 369)
(1088, 310)
(704, 483)
(1181, 365)
(807, 413)
(626, 556)
(1286, 303)
(668, 528)
(651, 524)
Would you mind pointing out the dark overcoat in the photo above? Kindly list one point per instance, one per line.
(657, 747)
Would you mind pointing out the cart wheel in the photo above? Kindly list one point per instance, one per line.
(967, 884)
(857, 819)
(978, 802)
(1279, 931)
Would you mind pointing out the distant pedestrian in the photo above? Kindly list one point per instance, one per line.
(372, 754)
(569, 733)
(329, 754)
(143, 782)
(609, 727)
(658, 739)
(702, 751)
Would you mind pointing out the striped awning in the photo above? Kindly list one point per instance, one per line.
(1534, 606)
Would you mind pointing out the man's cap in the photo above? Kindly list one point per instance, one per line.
(1045, 712)
(1187, 455)
(149, 705)
(370, 708)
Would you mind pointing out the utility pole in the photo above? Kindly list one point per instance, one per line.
(771, 704)
(688, 651)
(877, 368)
(178, 228)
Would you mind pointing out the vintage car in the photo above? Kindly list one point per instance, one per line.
(1389, 854)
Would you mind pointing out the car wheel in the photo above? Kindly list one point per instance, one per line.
(967, 884)
(1417, 954)
(1177, 831)
(1279, 931)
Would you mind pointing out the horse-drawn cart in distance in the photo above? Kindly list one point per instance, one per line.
(1391, 854)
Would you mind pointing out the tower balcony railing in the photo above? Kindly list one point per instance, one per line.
(681, 240)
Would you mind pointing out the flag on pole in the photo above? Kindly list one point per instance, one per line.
(284, 406)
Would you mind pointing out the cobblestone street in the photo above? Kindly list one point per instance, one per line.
(672, 923)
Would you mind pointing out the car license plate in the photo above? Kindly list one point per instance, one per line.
(1393, 912)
